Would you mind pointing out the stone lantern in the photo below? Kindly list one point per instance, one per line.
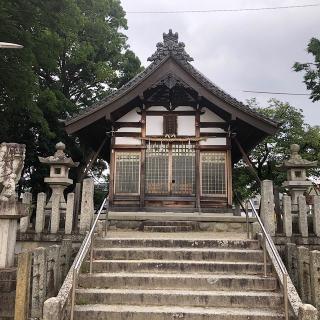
(296, 167)
(58, 180)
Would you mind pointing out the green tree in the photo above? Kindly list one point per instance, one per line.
(74, 53)
(311, 69)
(270, 153)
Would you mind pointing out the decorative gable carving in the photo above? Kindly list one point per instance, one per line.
(171, 47)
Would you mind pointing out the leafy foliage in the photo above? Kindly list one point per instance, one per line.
(74, 53)
(268, 156)
(311, 70)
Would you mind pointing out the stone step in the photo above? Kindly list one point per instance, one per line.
(171, 243)
(178, 254)
(176, 266)
(170, 223)
(132, 312)
(152, 297)
(168, 228)
(178, 281)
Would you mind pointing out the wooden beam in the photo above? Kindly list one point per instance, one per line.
(92, 160)
(214, 134)
(222, 125)
(128, 146)
(178, 113)
(213, 147)
(118, 125)
(128, 134)
(247, 160)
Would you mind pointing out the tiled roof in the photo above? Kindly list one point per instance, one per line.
(170, 47)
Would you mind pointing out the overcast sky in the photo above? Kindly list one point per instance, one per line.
(236, 50)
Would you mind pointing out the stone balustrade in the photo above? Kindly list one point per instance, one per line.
(40, 275)
(303, 266)
(52, 218)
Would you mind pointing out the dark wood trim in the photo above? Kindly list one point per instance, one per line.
(170, 198)
(128, 134)
(112, 165)
(177, 113)
(210, 198)
(128, 146)
(214, 134)
(197, 159)
(247, 159)
(118, 125)
(222, 125)
(119, 197)
(213, 148)
(143, 158)
(229, 177)
(168, 65)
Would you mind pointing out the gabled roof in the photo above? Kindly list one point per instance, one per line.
(170, 48)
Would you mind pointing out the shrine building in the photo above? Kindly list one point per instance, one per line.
(170, 135)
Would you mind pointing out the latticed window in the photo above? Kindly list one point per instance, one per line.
(170, 124)
(127, 173)
(213, 173)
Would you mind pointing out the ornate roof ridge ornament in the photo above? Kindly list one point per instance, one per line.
(170, 47)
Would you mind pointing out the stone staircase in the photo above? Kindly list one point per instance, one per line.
(158, 276)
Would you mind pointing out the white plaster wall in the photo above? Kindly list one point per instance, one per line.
(157, 108)
(214, 142)
(154, 125)
(131, 116)
(209, 116)
(127, 140)
(186, 126)
(127, 129)
(215, 130)
(184, 108)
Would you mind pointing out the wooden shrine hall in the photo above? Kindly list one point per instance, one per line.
(170, 135)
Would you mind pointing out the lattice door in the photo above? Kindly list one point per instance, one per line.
(157, 169)
(183, 169)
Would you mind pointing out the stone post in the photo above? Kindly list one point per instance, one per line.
(315, 278)
(53, 280)
(39, 282)
(21, 311)
(87, 207)
(307, 312)
(291, 254)
(11, 164)
(24, 222)
(65, 257)
(267, 207)
(316, 216)
(287, 216)
(10, 211)
(41, 204)
(55, 213)
(51, 309)
(69, 214)
(304, 274)
(303, 218)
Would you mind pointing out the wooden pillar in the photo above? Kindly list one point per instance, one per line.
(229, 173)
(143, 157)
(197, 159)
(112, 168)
